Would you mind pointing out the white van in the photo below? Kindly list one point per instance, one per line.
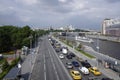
(84, 70)
(64, 51)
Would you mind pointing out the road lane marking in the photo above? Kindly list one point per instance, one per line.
(70, 78)
(53, 65)
(44, 68)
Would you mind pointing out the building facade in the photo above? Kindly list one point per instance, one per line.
(113, 30)
(111, 27)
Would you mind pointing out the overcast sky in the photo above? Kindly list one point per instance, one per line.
(85, 14)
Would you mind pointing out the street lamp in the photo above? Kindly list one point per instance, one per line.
(98, 44)
(30, 37)
(97, 47)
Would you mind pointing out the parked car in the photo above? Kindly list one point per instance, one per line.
(75, 75)
(69, 65)
(95, 71)
(84, 70)
(75, 63)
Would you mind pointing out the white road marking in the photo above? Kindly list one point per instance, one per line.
(70, 78)
(53, 65)
(44, 68)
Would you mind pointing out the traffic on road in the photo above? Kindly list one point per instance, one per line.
(78, 68)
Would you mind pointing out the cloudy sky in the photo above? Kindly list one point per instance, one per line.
(85, 14)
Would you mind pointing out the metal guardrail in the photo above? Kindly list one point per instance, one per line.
(116, 39)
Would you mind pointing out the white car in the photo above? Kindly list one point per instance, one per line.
(61, 56)
(84, 70)
(69, 65)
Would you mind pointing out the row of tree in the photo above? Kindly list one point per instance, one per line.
(13, 37)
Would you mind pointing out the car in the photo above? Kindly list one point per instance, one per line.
(64, 51)
(84, 70)
(75, 63)
(72, 54)
(93, 78)
(80, 59)
(95, 71)
(61, 56)
(106, 79)
(75, 75)
(69, 56)
(57, 49)
(69, 65)
(85, 64)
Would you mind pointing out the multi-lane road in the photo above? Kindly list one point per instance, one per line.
(48, 66)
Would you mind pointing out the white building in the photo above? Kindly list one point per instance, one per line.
(109, 22)
(70, 27)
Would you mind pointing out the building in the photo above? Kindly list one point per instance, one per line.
(111, 27)
(113, 30)
(70, 27)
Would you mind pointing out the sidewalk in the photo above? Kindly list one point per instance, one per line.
(28, 64)
(107, 72)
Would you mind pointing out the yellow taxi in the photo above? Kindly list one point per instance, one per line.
(75, 75)
(95, 71)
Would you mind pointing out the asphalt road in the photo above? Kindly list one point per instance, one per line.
(84, 77)
(47, 65)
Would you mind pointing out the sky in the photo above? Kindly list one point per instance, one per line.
(83, 14)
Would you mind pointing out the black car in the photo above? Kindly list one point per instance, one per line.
(106, 79)
(69, 56)
(85, 64)
(75, 63)
(72, 54)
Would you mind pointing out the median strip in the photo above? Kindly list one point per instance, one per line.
(78, 49)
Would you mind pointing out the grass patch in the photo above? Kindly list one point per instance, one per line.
(84, 53)
(70, 44)
(67, 43)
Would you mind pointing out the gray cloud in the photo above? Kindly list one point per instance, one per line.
(80, 13)
(113, 1)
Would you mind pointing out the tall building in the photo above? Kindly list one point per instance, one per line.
(108, 25)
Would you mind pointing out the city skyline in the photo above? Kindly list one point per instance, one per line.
(85, 14)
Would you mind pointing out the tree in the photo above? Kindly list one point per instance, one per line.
(5, 65)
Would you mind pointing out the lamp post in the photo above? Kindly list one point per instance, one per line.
(97, 47)
(98, 44)
(30, 37)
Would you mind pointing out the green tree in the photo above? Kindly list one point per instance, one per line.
(5, 65)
